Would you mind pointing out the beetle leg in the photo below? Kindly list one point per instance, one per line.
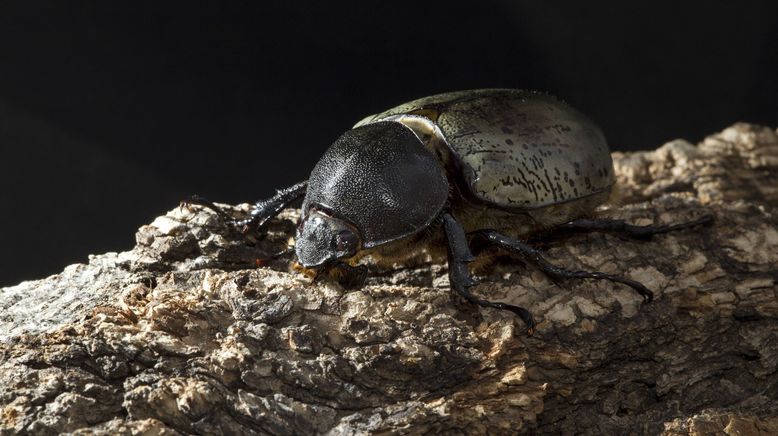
(351, 276)
(262, 211)
(634, 231)
(208, 204)
(459, 256)
(533, 255)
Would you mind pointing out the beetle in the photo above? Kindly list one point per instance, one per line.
(432, 175)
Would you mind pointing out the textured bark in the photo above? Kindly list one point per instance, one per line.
(187, 334)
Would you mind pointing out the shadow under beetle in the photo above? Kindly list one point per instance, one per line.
(436, 173)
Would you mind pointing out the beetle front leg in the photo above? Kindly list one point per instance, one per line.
(351, 276)
(621, 226)
(459, 256)
(262, 211)
(533, 255)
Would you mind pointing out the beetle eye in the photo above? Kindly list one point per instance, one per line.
(345, 240)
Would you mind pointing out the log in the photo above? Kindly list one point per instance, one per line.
(199, 331)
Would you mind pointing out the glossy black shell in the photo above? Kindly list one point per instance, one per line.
(381, 179)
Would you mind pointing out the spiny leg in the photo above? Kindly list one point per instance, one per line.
(262, 211)
(533, 255)
(459, 256)
(631, 230)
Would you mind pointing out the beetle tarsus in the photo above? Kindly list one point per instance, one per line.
(533, 255)
(621, 226)
(202, 201)
(459, 256)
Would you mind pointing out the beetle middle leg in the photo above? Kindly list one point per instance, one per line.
(459, 256)
(623, 227)
(262, 211)
(535, 256)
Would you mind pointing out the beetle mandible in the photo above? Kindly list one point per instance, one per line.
(435, 173)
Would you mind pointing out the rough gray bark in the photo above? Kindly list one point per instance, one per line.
(185, 334)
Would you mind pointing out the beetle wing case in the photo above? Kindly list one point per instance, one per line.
(517, 150)
(382, 179)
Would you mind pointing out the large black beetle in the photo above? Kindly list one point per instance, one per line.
(430, 175)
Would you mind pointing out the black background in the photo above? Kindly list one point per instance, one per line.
(111, 112)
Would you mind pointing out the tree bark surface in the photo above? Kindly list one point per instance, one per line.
(193, 331)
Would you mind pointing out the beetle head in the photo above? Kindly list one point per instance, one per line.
(322, 239)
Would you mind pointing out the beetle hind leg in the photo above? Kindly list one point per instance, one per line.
(631, 230)
(459, 256)
(535, 256)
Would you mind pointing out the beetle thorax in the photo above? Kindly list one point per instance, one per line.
(381, 180)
